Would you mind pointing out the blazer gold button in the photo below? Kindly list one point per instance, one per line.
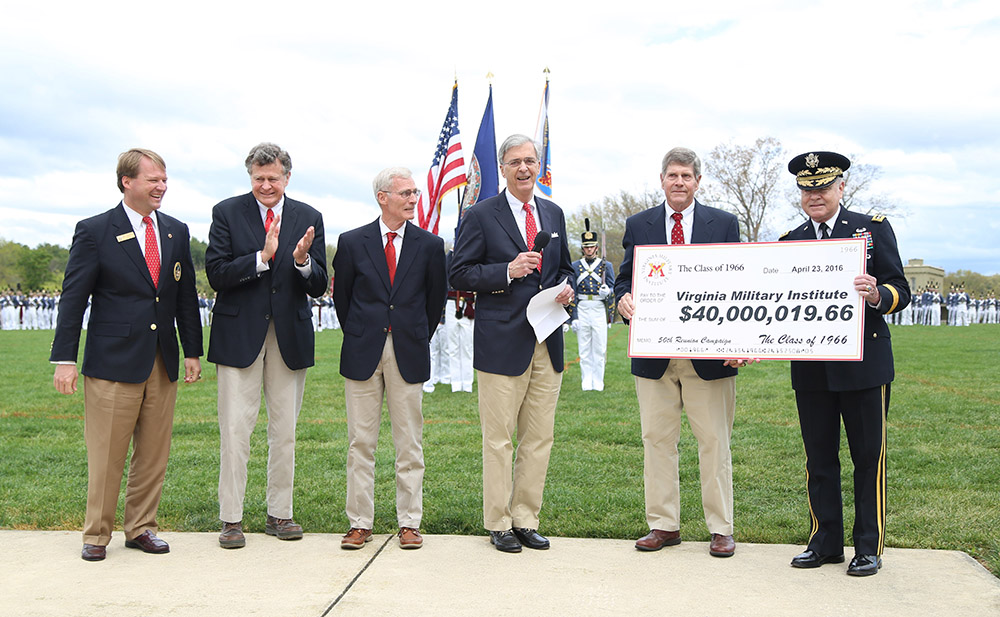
(874, 334)
(152, 326)
(392, 307)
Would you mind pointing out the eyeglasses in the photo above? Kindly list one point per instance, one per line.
(517, 162)
(405, 194)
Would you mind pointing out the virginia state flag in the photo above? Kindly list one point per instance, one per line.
(544, 180)
(482, 179)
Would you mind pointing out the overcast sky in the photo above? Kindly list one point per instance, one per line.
(350, 88)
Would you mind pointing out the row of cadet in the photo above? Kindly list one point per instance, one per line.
(958, 308)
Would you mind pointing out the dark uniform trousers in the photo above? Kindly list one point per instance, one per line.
(864, 416)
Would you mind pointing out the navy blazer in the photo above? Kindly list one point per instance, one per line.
(248, 302)
(488, 240)
(367, 305)
(129, 317)
(711, 226)
(876, 366)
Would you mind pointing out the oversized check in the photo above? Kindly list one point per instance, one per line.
(770, 300)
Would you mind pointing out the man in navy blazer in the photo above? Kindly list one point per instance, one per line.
(266, 255)
(135, 264)
(705, 389)
(389, 289)
(519, 378)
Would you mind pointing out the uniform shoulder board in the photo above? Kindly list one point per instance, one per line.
(784, 234)
(878, 218)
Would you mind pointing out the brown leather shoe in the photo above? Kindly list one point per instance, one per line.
(409, 537)
(147, 542)
(356, 538)
(232, 535)
(283, 528)
(94, 552)
(657, 539)
(721, 546)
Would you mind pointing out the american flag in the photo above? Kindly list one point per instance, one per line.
(447, 171)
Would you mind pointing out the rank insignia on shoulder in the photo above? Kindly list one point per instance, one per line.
(878, 218)
(785, 234)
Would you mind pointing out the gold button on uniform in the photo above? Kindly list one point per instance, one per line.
(152, 326)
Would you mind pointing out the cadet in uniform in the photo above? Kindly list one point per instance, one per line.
(857, 391)
(592, 308)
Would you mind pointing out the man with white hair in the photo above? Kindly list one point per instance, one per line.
(389, 288)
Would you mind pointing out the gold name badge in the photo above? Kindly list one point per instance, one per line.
(125, 237)
(177, 271)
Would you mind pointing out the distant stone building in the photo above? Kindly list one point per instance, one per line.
(920, 275)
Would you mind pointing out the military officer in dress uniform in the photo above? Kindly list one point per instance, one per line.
(858, 392)
(592, 309)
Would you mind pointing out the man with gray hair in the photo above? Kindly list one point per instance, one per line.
(389, 289)
(519, 377)
(262, 336)
(705, 389)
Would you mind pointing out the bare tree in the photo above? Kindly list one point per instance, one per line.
(859, 195)
(746, 180)
(607, 217)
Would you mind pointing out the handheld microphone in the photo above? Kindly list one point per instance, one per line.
(542, 239)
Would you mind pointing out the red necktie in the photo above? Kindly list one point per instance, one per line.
(677, 232)
(530, 230)
(390, 255)
(268, 220)
(152, 254)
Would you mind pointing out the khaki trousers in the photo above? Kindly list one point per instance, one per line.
(116, 413)
(512, 492)
(710, 407)
(239, 406)
(364, 415)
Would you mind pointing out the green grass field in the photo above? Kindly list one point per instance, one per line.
(944, 451)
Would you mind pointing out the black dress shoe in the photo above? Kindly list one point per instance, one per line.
(531, 538)
(505, 541)
(148, 543)
(812, 559)
(864, 565)
(94, 552)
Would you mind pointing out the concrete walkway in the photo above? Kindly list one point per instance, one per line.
(464, 575)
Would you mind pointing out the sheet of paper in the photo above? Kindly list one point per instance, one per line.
(544, 313)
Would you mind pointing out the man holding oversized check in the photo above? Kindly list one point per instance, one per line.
(705, 389)
(857, 391)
